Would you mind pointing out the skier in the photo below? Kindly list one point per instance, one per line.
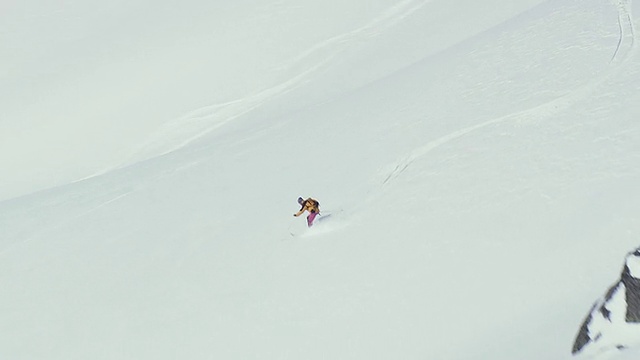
(311, 205)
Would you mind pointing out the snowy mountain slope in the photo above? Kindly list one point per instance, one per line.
(487, 188)
(94, 85)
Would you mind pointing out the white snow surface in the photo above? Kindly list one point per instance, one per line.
(633, 264)
(481, 162)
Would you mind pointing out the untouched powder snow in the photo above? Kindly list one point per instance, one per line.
(480, 163)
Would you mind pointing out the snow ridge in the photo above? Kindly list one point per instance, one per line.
(198, 123)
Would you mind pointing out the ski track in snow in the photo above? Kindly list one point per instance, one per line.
(41, 232)
(623, 12)
(198, 123)
(388, 19)
(544, 110)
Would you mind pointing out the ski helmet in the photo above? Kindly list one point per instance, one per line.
(300, 200)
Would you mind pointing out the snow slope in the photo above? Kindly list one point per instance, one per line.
(480, 162)
(82, 96)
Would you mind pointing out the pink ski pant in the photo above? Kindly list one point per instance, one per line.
(310, 219)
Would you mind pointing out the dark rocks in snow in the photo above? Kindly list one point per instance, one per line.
(613, 323)
(583, 335)
(632, 284)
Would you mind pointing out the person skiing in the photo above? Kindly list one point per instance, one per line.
(310, 205)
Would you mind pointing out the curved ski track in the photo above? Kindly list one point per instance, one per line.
(544, 110)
